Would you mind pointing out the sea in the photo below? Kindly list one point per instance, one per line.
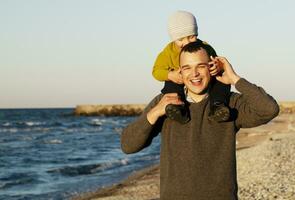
(53, 154)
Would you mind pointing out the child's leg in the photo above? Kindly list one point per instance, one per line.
(219, 98)
(178, 113)
(219, 92)
(171, 87)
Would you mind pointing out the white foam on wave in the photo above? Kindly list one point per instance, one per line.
(6, 124)
(54, 141)
(118, 130)
(27, 138)
(31, 123)
(124, 161)
(36, 129)
(149, 157)
(97, 122)
(8, 130)
(112, 163)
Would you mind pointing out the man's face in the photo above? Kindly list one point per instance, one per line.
(195, 71)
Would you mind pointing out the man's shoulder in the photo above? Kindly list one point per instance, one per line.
(154, 102)
(157, 98)
(233, 98)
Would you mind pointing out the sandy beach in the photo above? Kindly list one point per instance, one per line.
(265, 164)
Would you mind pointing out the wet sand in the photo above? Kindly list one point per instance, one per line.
(272, 144)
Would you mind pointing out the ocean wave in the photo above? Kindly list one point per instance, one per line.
(37, 129)
(88, 169)
(30, 123)
(108, 122)
(27, 138)
(16, 179)
(148, 158)
(55, 123)
(96, 122)
(25, 126)
(5, 124)
(53, 141)
(8, 130)
(77, 159)
(118, 130)
(142, 159)
(33, 129)
(119, 121)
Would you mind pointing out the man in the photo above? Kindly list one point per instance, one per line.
(198, 159)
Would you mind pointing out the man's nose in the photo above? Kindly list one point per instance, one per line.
(196, 71)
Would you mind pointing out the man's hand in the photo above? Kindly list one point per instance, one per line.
(159, 110)
(175, 76)
(228, 76)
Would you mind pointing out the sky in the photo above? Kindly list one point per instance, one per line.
(61, 53)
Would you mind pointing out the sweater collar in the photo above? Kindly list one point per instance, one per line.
(190, 99)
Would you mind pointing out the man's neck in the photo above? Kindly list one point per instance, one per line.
(197, 97)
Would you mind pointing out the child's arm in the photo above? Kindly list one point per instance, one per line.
(215, 67)
(175, 76)
(161, 67)
(162, 71)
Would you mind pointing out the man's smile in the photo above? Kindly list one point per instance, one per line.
(196, 81)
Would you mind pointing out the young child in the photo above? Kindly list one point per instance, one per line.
(183, 29)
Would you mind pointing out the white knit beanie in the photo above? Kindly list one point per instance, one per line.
(182, 24)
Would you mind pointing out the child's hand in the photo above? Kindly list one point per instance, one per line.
(228, 76)
(215, 66)
(175, 76)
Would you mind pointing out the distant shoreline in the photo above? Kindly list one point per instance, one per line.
(287, 107)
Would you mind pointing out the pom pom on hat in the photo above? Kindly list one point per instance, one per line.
(182, 24)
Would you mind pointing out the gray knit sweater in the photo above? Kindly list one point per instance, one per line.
(198, 159)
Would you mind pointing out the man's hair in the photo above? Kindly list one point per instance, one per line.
(196, 46)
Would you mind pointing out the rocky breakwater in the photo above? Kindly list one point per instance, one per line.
(136, 109)
(109, 110)
(287, 107)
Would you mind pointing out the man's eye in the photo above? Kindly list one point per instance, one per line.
(202, 66)
(185, 68)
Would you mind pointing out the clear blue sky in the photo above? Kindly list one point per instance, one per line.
(60, 53)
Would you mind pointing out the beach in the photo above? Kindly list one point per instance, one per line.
(265, 165)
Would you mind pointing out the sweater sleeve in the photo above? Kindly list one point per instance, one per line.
(161, 67)
(253, 107)
(140, 133)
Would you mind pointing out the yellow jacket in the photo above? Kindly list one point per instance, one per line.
(167, 60)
